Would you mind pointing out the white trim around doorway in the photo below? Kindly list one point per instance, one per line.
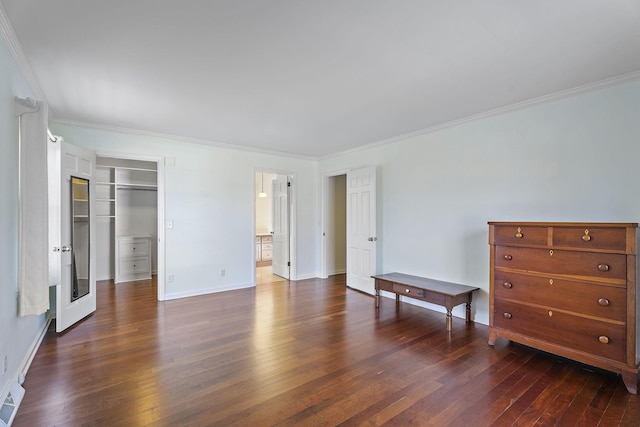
(160, 161)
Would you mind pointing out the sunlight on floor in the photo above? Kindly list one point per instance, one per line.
(264, 275)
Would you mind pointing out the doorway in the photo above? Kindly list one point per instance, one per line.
(361, 226)
(336, 225)
(130, 218)
(274, 220)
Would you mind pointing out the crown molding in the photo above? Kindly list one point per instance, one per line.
(591, 87)
(224, 145)
(6, 29)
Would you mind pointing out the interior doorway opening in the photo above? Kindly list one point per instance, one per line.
(130, 219)
(336, 225)
(274, 216)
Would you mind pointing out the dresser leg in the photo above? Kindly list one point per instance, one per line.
(492, 337)
(631, 382)
(377, 298)
(468, 312)
(449, 320)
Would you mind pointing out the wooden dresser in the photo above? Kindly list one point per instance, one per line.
(568, 289)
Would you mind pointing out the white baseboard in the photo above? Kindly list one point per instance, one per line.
(178, 295)
(305, 277)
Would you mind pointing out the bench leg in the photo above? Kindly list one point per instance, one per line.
(377, 298)
(449, 320)
(468, 312)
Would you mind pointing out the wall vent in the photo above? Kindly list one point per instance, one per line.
(10, 405)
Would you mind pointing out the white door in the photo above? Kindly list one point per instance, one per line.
(280, 262)
(76, 290)
(361, 229)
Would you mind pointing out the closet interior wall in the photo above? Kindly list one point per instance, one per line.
(126, 212)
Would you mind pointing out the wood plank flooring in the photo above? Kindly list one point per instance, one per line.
(310, 353)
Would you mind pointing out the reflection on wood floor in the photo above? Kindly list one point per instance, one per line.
(304, 353)
(264, 275)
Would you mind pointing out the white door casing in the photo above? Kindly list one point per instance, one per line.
(76, 162)
(280, 194)
(361, 229)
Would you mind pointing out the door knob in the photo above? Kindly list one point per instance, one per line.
(66, 248)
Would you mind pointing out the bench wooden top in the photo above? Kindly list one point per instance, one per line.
(445, 288)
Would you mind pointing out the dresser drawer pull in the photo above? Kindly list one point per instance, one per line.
(603, 339)
(508, 257)
(586, 236)
(507, 285)
(603, 267)
(603, 302)
(407, 290)
(507, 315)
(519, 234)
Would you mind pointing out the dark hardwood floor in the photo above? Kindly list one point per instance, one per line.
(301, 353)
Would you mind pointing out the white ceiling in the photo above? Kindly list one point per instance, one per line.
(314, 78)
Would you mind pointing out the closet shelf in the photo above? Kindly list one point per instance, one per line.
(120, 186)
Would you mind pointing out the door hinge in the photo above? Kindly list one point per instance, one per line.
(288, 263)
(288, 183)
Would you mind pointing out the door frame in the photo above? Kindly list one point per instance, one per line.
(293, 271)
(159, 160)
(324, 197)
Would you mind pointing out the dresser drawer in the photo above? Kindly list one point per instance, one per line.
(267, 239)
(267, 255)
(267, 246)
(555, 261)
(520, 235)
(607, 302)
(127, 247)
(591, 238)
(408, 290)
(579, 333)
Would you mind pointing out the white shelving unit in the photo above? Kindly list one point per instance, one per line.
(125, 195)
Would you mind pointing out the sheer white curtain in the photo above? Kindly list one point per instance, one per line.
(33, 252)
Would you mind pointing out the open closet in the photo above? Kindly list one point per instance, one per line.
(126, 219)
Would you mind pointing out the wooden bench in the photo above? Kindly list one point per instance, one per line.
(438, 292)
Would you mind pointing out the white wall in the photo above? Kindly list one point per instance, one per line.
(209, 196)
(574, 159)
(16, 334)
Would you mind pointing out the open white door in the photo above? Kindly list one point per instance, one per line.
(280, 261)
(76, 290)
(361, 229)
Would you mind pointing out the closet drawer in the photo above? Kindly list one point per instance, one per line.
(135, 246)
(135, 265)
(579, 333)
(555, 261)
(603, 301)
